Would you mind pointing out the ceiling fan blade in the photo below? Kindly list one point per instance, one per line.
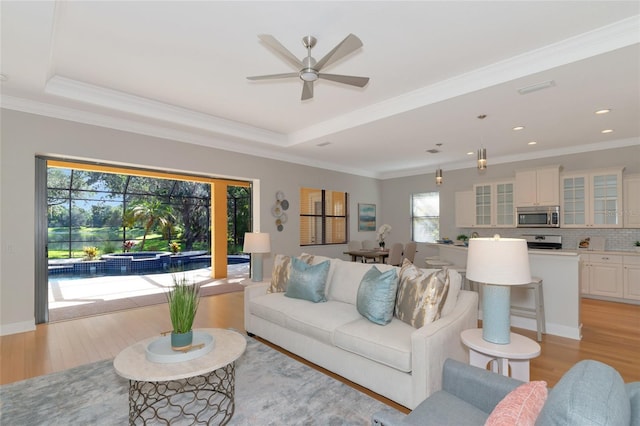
(346, 46)
(273, 76)
(351, 80)
(282, 51)
(307, 90)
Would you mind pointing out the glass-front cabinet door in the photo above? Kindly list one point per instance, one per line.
(574, 207)
(592, 200)
(483, 205)
(504, 204)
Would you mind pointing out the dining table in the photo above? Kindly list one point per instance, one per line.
(377, 255)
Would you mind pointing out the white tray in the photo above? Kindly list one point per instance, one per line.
(160, 350)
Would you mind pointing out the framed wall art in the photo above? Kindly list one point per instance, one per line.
(366, 217)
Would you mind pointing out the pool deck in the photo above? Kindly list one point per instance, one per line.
(64, 292)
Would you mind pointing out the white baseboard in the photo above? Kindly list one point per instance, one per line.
(17, 327)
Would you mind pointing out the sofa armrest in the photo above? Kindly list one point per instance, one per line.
(251, 291)
(432, 344)
(480, 388)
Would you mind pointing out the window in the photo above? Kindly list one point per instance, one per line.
(323, 217)
(425, 217)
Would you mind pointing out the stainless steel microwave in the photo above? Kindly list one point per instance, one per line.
(538, 217)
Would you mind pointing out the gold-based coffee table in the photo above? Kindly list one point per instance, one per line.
(196, 391)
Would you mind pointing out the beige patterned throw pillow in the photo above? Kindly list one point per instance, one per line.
(421, 295)
(282, 271)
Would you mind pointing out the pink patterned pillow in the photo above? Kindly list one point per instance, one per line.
(520, 407)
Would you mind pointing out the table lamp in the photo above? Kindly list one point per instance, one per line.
(497, 263)
(256, 243)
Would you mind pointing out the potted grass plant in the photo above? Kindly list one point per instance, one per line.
(183, 300)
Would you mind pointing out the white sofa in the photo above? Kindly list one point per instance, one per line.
(396, 360)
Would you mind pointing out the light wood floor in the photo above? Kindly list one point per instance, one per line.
(611, 334)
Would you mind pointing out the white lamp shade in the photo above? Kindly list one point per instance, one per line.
(503, 261)
(256, 242)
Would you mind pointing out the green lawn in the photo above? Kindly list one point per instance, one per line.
(108, 240)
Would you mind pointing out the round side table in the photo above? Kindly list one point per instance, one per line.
(200, 391)
(515, 354)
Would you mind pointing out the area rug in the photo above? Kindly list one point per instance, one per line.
(99, 307)
(271, 389)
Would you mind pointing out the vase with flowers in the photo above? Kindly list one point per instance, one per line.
(383, 232)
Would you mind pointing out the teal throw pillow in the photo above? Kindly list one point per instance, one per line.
(377, 295)
(307, 281)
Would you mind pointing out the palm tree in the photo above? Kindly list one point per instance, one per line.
(151, 212)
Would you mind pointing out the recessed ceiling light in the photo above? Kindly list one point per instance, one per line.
(607, 131)
(603, 111)
(470, 153)
(532, 143)
(518, 128)
(324, 144)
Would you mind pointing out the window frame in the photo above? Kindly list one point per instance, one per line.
(414, 216)
(323, 216)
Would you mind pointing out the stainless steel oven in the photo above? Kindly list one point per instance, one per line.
(538, 217)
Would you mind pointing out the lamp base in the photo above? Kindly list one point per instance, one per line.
(256, 267)
(496, 313)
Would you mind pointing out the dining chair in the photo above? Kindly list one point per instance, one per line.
(410, 251)
(354, 245)
(369, 245)
(395, 255)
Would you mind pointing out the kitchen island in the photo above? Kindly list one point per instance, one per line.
(560, 272)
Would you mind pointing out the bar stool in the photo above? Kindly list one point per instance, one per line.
(536, 313)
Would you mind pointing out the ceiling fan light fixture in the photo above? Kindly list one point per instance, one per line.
(309, 74)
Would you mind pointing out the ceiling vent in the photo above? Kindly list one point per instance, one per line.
(433, 151)
(536, 87)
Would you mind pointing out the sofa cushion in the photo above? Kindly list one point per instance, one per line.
(633, 390)
(389, 345)
(421, 294)
(282, 271)
(455, 282)
(346, 278)
(273, 307)
(443, 408)
(320, 320)
(520, 407)
(590, 393)
(377, 295)
(307, 281)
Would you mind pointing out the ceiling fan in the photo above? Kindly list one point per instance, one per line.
(309, 67)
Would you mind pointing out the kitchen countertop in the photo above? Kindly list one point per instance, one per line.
(561, 252)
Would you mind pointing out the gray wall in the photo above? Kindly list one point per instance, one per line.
(25, 135)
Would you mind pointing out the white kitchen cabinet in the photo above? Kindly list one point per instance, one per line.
(604, 275)
(631, 201)
(592, 199)
(464, 209)
(494, 205)
(538, 187)
(584, 274)
(631, 277)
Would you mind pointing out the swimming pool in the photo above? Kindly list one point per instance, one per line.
(135, 264)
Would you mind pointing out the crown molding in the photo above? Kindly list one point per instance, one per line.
(430, 168)
(131, 126)
(124, 102)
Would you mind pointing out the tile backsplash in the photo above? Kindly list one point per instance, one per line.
(619, 239)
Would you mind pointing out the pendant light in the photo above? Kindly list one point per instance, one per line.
(438, 176)
(482, 152)
(482, 158)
